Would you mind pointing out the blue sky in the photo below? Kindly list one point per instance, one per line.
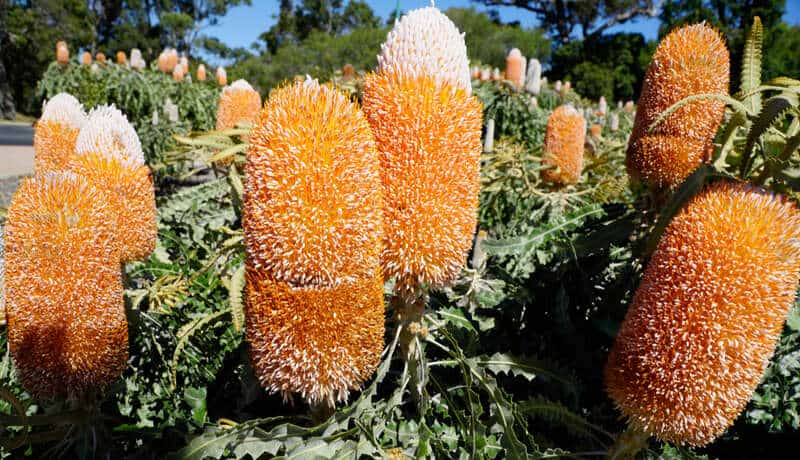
(242, 25)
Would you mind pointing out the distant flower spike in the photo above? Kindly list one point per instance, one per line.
(201, 72)
(56, 132)
(515, 72)
(239, 102)
(67, 330)
(121, 58)
(563, 145)
(701, 330)
(62, 52)
(222, 76)
(691, 60)
(313, 228)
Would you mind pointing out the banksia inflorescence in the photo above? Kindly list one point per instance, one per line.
(222, 76)
(563, 146)
(56, 132)
(699, 332)
(67, 330)
(424, 115)
(515, 68)
(177, 73)
(108, 154)
(313, 229)
(121, 58)
(100, 58)
(426, 42)
(238, 103)
(62, 52)
(86, 58)
(201, 72)
(691, 60)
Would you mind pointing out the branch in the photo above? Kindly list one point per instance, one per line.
(650, 9)
(523, 4)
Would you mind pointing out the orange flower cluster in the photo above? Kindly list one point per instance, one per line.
(691, 60)
(700, 332)
(563, 146)
(238, 103)
(109, 155)
(67, 331)
(56, 132)
(428, 135)
(313, 228)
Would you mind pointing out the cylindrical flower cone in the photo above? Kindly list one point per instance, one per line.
(533, 83)
(56, 132)
(109, 155)
(701, 330)
(121, 58)
(426, 42)
(691, 60)
(137, 62)
(514, 68)
(595, 130)
(201, 72)
(65, 312)
(177, 73)
(100, 58)
(563, 146)
(312, 225)
(184, 64)
(348, 72)
(238, 103)
(222, 76)
(436, 128)
(62, 52)
(86, 58)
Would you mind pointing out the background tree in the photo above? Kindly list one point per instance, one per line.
(563, 18)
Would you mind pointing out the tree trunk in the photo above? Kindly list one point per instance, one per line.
(6, 99)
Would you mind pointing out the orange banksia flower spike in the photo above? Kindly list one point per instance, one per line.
(109, 155)
(563, 146)
(201, 72)
(177, 73)
(86, 58)
(121, 58)
(67, 330)
(313, 229)
(222, 76)
(515, 68)
(62, 52)
(422, 114)
(700, 330)
(56, 132)
(691, 60)
(238, 103)
(100, 58)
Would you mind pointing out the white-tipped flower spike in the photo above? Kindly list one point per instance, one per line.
(614, 121)
(426, 42)
(557, 86)
(171, 110)
(108, 131)
(533, 79)
(496, 74)
(56, 132)
(619, 105)
(602, 106)
(222, 76)
(486, 74)
(136, 60)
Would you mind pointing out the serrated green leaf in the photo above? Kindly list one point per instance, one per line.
(775, 109)
(237, 305)
(456, 317)
(751, 66)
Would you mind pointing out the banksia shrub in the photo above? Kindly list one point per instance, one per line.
(426, 42)
(62, 52)
(201, 72)
(313, 228)
(691, 60)
(222, 76)
(239, 102)
(563, 146)
(436, 127)
(108, 154)
(701, 330)
(67, 331)
(56, 132)
(515, 64)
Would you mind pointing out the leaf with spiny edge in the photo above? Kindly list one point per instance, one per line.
(775, 109)
(751, 66)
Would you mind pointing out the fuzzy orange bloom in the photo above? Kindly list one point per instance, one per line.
(691, 60)
(428, 134)
(514, 68)
(222, 76)
(595, 130)
(100, 58)
(86, 58)
(62, 52)
(701, 329)
(67, 331)
(177, 73)
(318, 341)
(201, 72)
(109, 155)
(121, 58)
(238, 103)
(563, 146)
(313, 228)
(56, 132)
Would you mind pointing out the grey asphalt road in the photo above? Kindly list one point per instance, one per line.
(16, 134)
